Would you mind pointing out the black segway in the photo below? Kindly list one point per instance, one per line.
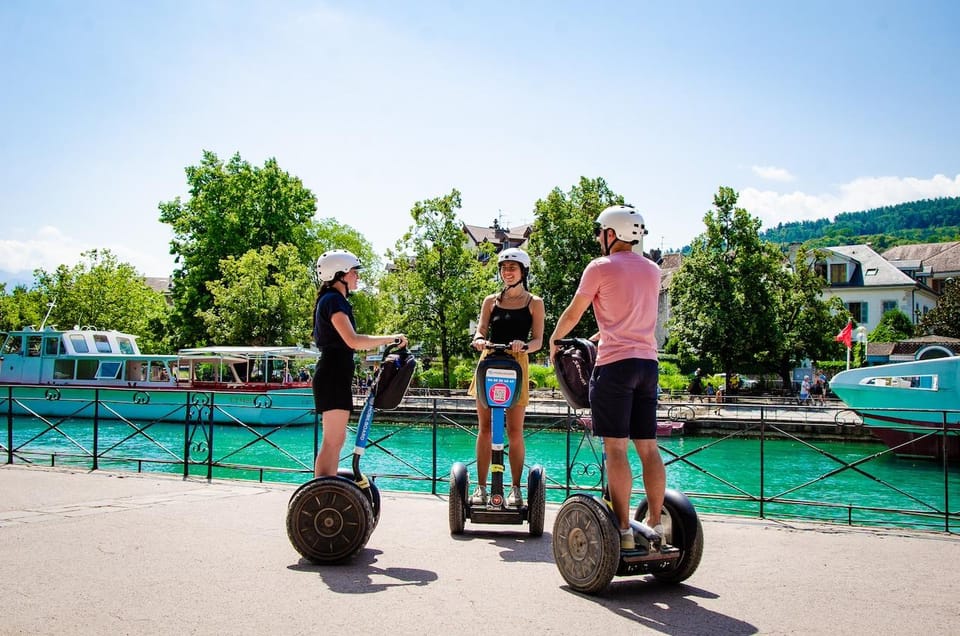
(497, 378)
(586, 536)
(330, 519)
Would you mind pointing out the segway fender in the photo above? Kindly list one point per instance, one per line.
(458, 474)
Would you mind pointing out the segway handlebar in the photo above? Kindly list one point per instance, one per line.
(499, 347)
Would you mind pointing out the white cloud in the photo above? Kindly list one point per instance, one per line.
(864, 193)
(772, 173)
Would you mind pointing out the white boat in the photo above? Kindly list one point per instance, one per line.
(84, 372)
(913, 407)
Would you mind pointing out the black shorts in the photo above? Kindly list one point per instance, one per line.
(333, 380)
(623, 399)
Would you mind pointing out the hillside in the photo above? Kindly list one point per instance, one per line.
(925, 221)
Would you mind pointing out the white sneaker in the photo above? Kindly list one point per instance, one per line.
(479, 497)
(626, 540)
(515, 499)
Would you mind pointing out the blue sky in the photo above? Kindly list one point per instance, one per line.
(806, 108)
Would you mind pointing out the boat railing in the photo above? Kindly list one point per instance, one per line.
(794, 469)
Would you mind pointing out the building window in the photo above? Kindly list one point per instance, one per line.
(838, 274)
(859, 312)
(889, 305)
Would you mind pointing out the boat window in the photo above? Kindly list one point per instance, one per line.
(103, 344)
(108, 370)
(126, 345)
(51, 346)
(926, 382)
(87, 369)
(79, 343)
(158, 372)
(33, 345)
(12, 345)
(63, 369)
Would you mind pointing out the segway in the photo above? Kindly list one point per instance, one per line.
(330, 519)
(498, 375)
(586, 535)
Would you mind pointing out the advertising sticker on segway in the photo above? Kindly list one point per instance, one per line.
(498, 374)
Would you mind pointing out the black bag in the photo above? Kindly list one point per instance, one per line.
(393, 380)
(573, 366)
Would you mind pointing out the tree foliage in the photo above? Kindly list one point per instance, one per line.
(21, 307)
(233, 208)
(925, 221)
(263, 298)
(437, 282)
(563, 243)
(894, 326)
(944, 319)
(726, 295)
(105, 293)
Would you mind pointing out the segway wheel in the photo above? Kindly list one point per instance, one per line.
(536, 500)
(682, 529)
(457, 500)
(329, 520)
(586, 544)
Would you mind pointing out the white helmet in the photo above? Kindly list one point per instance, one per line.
(335, 262)
(514, 254)
(626, 223)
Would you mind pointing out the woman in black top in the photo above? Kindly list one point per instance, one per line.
(334, 331)
(510, 318)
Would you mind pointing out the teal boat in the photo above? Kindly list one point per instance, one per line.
(913, 407)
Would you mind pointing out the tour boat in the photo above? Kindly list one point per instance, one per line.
(86, 372)
(913, 407)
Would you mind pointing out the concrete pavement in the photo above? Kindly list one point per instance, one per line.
(117, 553)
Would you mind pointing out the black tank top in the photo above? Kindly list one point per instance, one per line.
(507, 325)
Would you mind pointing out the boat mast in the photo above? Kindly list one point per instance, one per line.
(50, 306)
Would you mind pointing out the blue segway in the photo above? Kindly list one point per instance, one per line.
(498, 376)
(586, 535)
(330, 519)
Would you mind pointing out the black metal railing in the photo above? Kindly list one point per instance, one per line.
(223, 435)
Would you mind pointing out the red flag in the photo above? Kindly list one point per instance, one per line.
(846, 335)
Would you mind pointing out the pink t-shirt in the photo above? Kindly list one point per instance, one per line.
(624, 288)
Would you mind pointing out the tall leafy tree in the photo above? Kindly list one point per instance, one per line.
(723, 298)
(563, 243)
(437, 282)
(21, 307)
(944, 319)
(107, 294)
(233, 208)
(263, 298)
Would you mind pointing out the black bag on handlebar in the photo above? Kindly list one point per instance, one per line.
(393, 380)
(573, 366)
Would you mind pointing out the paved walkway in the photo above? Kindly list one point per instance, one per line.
(107, 553)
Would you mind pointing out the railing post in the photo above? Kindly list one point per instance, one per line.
(763, 436)
(186, 436)
(213, 407)
(567, 448)
(433, 485)
(96, 429)
(946, 475)
(9, 424)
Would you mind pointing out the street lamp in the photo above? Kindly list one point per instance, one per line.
(862, 337)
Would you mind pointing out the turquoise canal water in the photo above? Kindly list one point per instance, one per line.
(788, 478)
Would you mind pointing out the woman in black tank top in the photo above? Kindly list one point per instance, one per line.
(512, 317)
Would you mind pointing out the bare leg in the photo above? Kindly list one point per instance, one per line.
(654, 477)
(334, 433)
(483, 443)
(620, 478)
(515, 417)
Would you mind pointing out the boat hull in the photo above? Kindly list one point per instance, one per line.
(278, 407)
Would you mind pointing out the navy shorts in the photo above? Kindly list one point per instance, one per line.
(333, 380)
(623, 399)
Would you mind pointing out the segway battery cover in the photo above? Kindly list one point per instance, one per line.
(573, 366)
(396, 372)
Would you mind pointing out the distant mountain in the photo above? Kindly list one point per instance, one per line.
(926, 221)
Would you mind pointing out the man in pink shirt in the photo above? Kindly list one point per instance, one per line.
(624, 287)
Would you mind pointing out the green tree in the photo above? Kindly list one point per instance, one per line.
(437, 282)
(724, 298)
(563, 243)
(894, 326)
(107, 294)
(21, 307)
(232, 208)
(944, 319)
(263, 298)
